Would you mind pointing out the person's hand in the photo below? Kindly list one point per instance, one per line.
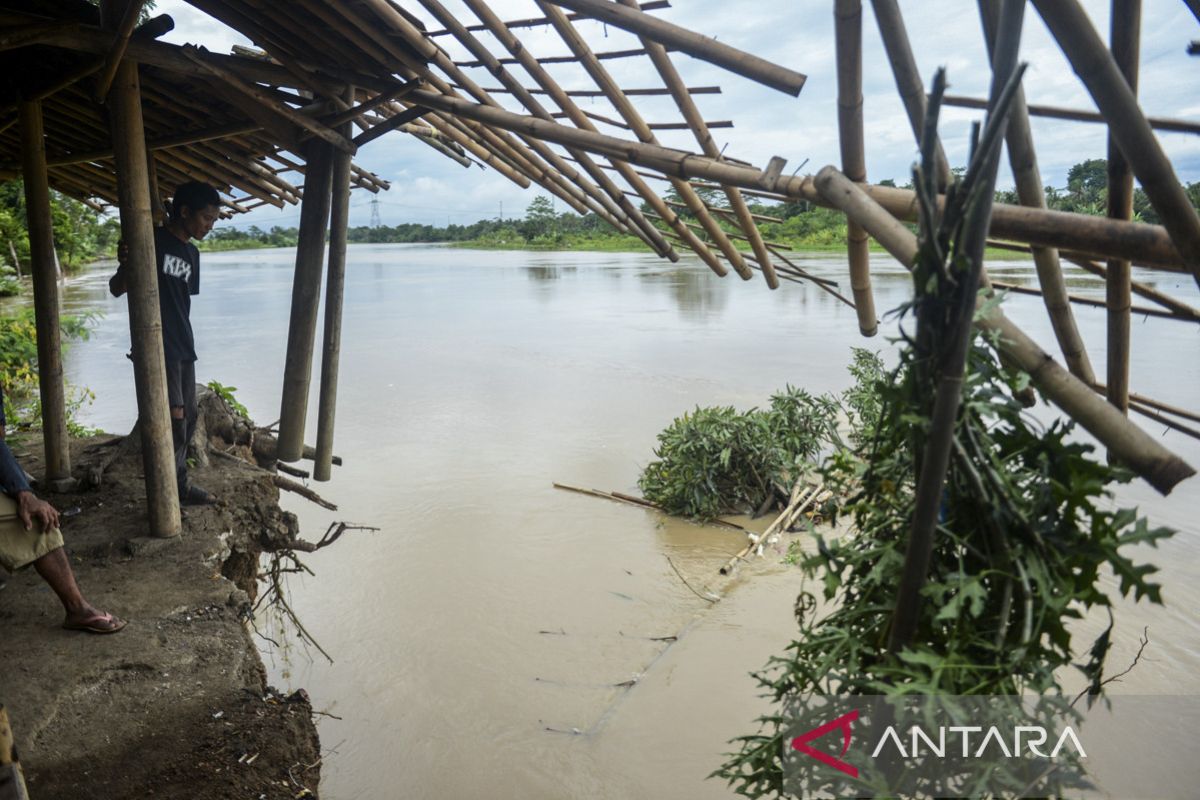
(122, 252)
(31, 507)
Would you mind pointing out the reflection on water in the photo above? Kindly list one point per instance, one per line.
(469, 383)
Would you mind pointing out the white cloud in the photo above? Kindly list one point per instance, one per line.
(429, 188)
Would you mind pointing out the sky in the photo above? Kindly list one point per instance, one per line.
(429, 188)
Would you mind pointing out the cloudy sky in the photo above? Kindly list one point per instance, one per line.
(428, 188)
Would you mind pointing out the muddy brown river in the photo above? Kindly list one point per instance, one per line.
(501, 638)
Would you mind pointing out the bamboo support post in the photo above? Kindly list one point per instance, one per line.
(908, 77)
(12, 780)
(306, 289)
(682, 96)
(847, 17)
(331, 342)
(701, 47)
(1125, 33)
(1091, 60)
(640, 129)
(46, 301)
(1022, 157)
(145, 323)
(1141, 452)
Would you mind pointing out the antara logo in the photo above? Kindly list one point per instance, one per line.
(992, 743)
(843, 723)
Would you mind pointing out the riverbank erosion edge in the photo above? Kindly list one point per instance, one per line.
(177, 704)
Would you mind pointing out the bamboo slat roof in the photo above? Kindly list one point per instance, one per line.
(243, 121)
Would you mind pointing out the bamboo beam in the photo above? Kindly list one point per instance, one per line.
(1143, 311)
(908, 77)
(702, 47)
(145, 322)
(1022, 157)
(1057, 112)
(640, 129)
(597, 93)
(1146, 245)
(33, 33)
(613, 207)
(1125, 32)
(538, 22)
(403, 118)
(121, 41)
(331, 341)
(43, 266)
(306, 294)
(1090, 59)
(1166, 301)
(601, 56)
(1144, 454)
(847, 25)
(695, 122)
(279, 109)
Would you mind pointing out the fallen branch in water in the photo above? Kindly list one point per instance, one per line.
(707, 596)
(782, 523)
(644, 503)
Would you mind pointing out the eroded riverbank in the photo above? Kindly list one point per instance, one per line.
(177, 704)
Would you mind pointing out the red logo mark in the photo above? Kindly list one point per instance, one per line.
(843, 722)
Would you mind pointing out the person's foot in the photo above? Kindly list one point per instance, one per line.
(193, 495)
(93, 621)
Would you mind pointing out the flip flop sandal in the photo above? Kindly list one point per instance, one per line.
(99, 623)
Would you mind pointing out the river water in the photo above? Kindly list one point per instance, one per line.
(480, 636)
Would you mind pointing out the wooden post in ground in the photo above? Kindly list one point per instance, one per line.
(45, 293)
(1125, 32)
(306, 295)
(331, 342)
(145, 321)
(12, 781)
(847, 19)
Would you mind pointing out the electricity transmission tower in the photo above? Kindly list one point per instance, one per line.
(375, 223)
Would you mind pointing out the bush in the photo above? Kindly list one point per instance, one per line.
(716, 460)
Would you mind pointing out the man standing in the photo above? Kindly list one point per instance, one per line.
(29, 534)
(193, 211)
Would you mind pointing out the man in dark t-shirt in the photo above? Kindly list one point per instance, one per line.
(194, 210)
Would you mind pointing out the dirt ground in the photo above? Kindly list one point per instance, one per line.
(176, 705)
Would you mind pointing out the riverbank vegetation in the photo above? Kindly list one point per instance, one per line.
(980, 534)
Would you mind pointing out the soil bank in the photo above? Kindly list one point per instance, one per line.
(176, 705)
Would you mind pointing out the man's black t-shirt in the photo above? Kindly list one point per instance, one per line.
(178, 280)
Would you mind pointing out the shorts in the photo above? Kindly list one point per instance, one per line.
(18, 547)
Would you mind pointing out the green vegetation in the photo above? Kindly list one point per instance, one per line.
(19, 370)
(226, 393)
(81, 234)
(1024, 531)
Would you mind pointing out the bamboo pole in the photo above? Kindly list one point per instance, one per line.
(12, 779)
(331, 342)
(1180, 309)
(1144, 454)
(306, 290)
(1090, 59)
(611, 198)
(1057, 112)
(908, 77)
(145, 323)
(847, 19)
(701, 47)
(1141, 311)
(1146, 245)
(1124, 34)
(640, 129)
(1022, 157)
(539, 22)
(682, 96)
(128, 21)
(46, 301)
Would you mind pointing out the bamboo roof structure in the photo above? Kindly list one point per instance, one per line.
(332, 77)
